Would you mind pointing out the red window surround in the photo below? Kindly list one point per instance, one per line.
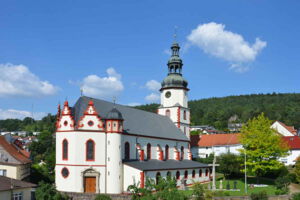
(186, 174)
(65, 149)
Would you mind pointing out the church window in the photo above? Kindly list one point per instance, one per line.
(167, 152)
(193, 173)
(90, 123)
(168, 113)
(115, 124)
(65, 172)
(65, 146)
(200, 173)
(186, 174)
(90, 150)
(184, 115)
(169, 174)
(158, 177)
(182, 153)
(177, 175)
(127, 151)
(148, 151)
(66, 123)
(206, 172)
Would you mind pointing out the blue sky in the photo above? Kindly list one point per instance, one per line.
(51, 49)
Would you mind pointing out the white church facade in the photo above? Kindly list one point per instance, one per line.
(102, 147)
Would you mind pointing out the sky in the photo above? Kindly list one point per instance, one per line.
(50, 51)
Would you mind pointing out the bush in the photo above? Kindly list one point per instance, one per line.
(293, 178)
(198, 191)
(282, 184)
(102, 197)
(259, 196)
(296, 196)
(47, 191)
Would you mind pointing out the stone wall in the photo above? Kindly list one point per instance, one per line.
(85, 196)
(280, 197)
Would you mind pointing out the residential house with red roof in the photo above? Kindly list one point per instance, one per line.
(284, 129)
(294, 144)
(14, 161)
(203, 145)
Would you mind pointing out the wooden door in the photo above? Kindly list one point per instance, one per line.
(90, 184)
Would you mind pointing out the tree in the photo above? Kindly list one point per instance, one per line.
(230, 165)
(47, 191)
(262, 145)
(297, 169)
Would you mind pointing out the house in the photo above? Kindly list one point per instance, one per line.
(203, 145)
(283, 129)
(16, 189)
(103, 147)
(293, 143)
(14, 162)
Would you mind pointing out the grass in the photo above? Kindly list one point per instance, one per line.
(270, 189)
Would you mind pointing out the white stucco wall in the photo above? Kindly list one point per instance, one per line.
(203, 152)
(291, 158)
(281, 129)
(177, 96)
(131, 176)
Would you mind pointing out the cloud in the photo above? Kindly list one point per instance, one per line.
(153, 85)
(134, 104)
(153, 97)
(103, 87)
(213, 39)
(168, 52)
(20, 114)
(17, 80)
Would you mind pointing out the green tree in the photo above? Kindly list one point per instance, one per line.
(46, 191)
(297, 169)
(263, 146)
(230, 165)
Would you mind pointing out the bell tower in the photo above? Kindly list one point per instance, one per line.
(174, 93)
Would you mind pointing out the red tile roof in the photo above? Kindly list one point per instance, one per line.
(216, 140)
(292, 141)
(289, 128)
(13, 151)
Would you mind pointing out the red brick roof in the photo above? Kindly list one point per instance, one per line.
(13, 151)
(216, 140)
(289, 128)
(292, 141)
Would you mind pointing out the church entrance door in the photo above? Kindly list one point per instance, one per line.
(90, 184)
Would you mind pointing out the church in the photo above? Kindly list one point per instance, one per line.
(103, 147)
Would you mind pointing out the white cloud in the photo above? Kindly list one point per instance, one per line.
(168, 52)
(20, 114)
(134, 104)
(153, 85)
(213, 39)
(103, 87)
(17, 80)
(153, 97)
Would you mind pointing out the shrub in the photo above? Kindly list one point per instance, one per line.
(259, 196)
(293, 178)
(198, 191)
(296, 196)
(102, 197)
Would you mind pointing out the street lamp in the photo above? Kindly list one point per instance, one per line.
(246, 172)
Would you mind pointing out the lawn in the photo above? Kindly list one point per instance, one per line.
(270, 189)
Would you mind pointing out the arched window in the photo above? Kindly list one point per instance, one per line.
(186, 174)
(177, 175)
(193, 173)
(167, 152)
(200, 173)
(184, 115)
(169, 174)
(90, 150)
(182, 153)
(206, 172)
(127, 151)
(168, 113)
(65, 146)
(158, 177)
(148, 151)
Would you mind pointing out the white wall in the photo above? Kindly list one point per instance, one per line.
(281, 129)
(203, 152)
(177, 96)
(131, 176)
(291, 158)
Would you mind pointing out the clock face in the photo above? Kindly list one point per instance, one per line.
(168, 94)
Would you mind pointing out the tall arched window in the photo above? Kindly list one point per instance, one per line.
(200, 173)
(90, 150)
(65, 146)
(169, 174)
(158, 177)
(127, 151)
(184, 115)
(168, 113)
(182, 153)
(148, 151)
(177, 175)
(167, 152)
(193, 173)
(206, 172)
(186, 174)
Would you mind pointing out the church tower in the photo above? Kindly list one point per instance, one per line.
(174, 93)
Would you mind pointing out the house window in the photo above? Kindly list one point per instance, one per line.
(182, 153)
(18, 196)
(186, 174)
(65, 149)
(193, 173)
(148, 151)
(200, 173)
(167, 152)
(168, 113)
(184, 115)
(3, 172)
(177, 175)
(90, 150)
(127, 151)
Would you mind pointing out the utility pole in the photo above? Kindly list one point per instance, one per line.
(246, 173)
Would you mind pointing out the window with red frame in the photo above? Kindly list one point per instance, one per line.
(90, 150)
(148, 151)
(206, 172)
(186, 174)
(167, 152)
(65, 146)
(182, 153)
(200, 173)
(193, 173)
(184, 115)
(177, 175)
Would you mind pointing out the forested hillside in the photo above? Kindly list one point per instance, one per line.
(217, 111)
